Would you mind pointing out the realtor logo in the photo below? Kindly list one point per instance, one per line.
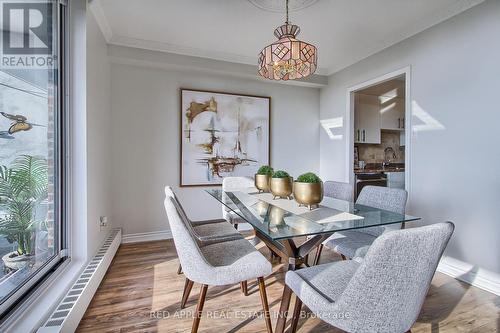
(27, 34)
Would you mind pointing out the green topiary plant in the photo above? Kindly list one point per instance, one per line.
(23, 187)
(265, 170)
(308, 177)
(280, 174)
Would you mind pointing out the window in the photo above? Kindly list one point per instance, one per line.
(31, 144)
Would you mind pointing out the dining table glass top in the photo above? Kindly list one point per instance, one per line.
(283, 218)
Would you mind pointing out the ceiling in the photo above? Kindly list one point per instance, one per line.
(345, 31)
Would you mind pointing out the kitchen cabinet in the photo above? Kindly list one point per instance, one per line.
(367, 119)
(392, 114)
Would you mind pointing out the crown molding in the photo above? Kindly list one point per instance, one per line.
(96, 9)
(188, 51)
(181, 50)
(111, 38)
(134, 56)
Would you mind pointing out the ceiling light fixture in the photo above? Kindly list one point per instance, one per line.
(288, 58)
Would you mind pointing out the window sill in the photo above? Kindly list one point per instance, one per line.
(37, 307)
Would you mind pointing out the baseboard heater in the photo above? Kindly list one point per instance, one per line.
(70, 310)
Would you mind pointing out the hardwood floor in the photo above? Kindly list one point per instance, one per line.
(141, 292)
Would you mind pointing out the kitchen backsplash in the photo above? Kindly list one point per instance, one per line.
(371, 153)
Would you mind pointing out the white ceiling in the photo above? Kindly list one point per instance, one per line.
(345, 31)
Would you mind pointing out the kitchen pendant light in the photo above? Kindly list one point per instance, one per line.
(288, 58)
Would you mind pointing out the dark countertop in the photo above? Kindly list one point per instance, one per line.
(378, 168)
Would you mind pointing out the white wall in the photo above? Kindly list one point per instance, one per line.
(455, 77)
(145, 138)
(98, 135)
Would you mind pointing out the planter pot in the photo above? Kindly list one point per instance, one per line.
(308, 194)
(282, 187)
(262, 182)
(14, 261)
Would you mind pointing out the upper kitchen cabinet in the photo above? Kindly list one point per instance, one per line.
(392, 114)
(366, 119)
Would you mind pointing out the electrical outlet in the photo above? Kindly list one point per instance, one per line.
(103, 222)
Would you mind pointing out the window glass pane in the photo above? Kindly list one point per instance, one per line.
(28, 141)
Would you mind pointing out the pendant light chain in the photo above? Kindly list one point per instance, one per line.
(287, 22)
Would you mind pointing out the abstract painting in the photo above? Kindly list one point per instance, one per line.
(222, 135)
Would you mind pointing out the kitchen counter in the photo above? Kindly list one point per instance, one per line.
(378, 170)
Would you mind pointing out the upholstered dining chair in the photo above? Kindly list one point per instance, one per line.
(355, 243)
(205, 231)
(215, 264)
(383, 293)
(338, 190)
(234, 184)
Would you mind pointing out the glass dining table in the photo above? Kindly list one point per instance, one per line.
(292, 232)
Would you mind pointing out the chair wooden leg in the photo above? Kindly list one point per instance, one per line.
(179, 270)
(306, 260)
(199, 308)
(187, 290)
(282, 314)
(318, 254)
(244, 287)
(265, 305)
(296, 314)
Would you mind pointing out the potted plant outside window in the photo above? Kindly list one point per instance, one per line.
(308, 190)
(23, 187)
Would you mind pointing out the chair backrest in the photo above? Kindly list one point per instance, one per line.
(192, 260)
(386, 198)
(234, 184)
(338, 190)
(387, 291)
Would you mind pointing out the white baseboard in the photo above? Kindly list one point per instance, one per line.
(146, 236)
(478, 277)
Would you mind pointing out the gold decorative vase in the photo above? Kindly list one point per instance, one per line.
(282, 187)
(308, 194)
(262, 182)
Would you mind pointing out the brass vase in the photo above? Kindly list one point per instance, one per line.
(262, 182)
(308, 194)
(282, 187)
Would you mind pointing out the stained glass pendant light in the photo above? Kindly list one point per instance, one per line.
(288, 58)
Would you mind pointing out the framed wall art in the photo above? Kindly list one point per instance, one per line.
(222, 134)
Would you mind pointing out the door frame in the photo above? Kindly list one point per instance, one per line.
(406, 71)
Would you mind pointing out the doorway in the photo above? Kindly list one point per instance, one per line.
(379, 144)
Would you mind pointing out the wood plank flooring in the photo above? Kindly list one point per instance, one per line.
(141, 292)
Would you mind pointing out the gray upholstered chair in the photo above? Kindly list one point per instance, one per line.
(234, 184)
(216, 264)
(338, 190)
(383, 293)
(355, 243)
(206, 231)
